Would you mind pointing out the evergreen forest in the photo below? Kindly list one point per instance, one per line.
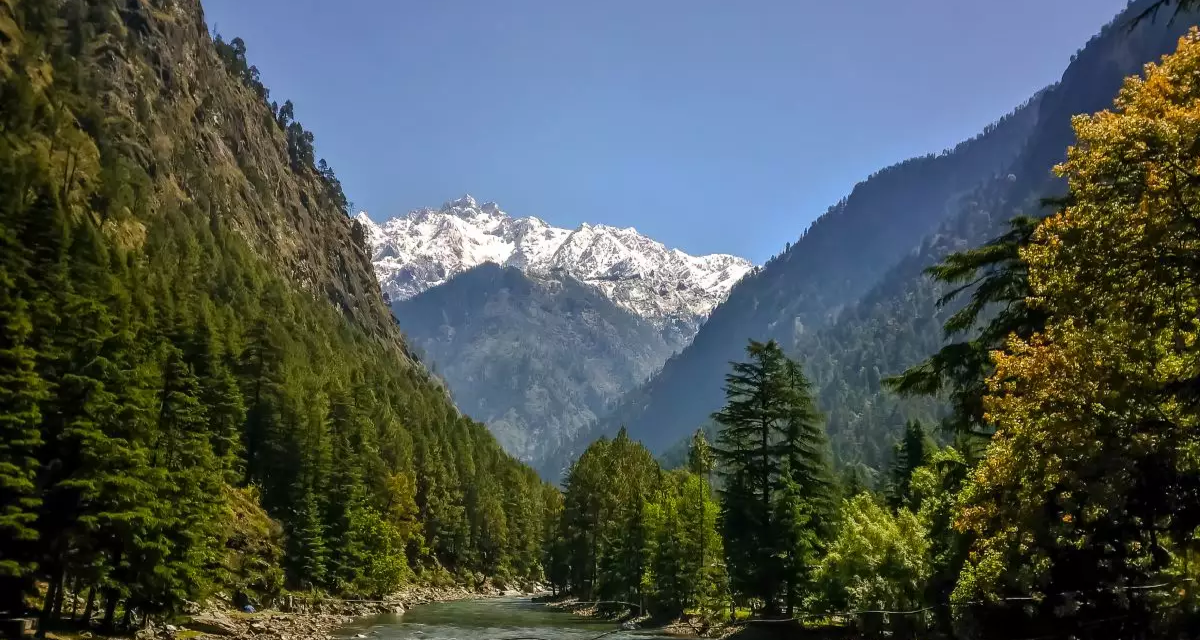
(201, 391)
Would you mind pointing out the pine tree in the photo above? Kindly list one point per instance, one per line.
(104, 490)
(747, 458)
(797, 520)
(701, 462)
(220, 394)
(260, 366)
(913, 451)
(672, 570)
(306, 542)
(803, 506)
(996, 277)
(225, 411)
(778, 491)
(191, 484)
(21, 391)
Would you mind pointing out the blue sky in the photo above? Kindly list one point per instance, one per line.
(710, 125)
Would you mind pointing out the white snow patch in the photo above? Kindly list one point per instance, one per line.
(426, 247)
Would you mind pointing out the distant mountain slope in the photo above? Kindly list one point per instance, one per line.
(672, 289)
(833, 263)
(536, 360)
(897, 323)
(849, 295)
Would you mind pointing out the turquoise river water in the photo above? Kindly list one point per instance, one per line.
(490, 619)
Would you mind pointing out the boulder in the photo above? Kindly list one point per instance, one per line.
(213, 624)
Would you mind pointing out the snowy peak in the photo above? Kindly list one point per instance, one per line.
(426, 247)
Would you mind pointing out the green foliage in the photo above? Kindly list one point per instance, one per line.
(1089, 486)
(911, 452)
(21, 392)
(632, 533)
(877, 561)
(685, 552)
(192, 398)
(998, 281)
(604, 526)
(776, 489)
(372, 554)
(933, 492)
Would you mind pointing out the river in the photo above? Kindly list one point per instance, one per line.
(489, 619)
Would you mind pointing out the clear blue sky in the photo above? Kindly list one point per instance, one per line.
(710, 125)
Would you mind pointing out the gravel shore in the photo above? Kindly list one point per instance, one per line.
(299, 618)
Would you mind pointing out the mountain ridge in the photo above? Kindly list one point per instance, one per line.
(672, 289)
(851, 321)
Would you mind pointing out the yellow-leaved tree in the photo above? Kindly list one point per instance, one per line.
(1090, 489)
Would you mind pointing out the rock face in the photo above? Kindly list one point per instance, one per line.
(208, 139)
(668, 287)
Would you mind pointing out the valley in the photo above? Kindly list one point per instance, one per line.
(538, 330)
(961, 403)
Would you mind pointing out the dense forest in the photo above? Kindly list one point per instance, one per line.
(201, 390)
(1066, 503)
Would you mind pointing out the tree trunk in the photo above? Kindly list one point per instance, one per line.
(127, 619)
(90, 608)
(56, 613)
(52, 592)
(75, 598)
(110, 609)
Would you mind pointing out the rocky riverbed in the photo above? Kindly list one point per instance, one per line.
(300, 618)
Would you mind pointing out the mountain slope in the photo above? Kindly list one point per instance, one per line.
(543, 345)
(536, 360)
(193, 334)
(672, 289)
(849, 295)
(897, 324)
(836, 260)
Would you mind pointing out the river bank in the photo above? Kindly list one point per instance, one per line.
(682, 627)
(302, 618)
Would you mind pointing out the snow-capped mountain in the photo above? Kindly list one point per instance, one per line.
(427, 247)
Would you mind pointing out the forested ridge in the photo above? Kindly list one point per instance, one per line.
(898, 321)
(836, 260)
(535, 359)
(201, 391)
(1067, 502)
(854, 332)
